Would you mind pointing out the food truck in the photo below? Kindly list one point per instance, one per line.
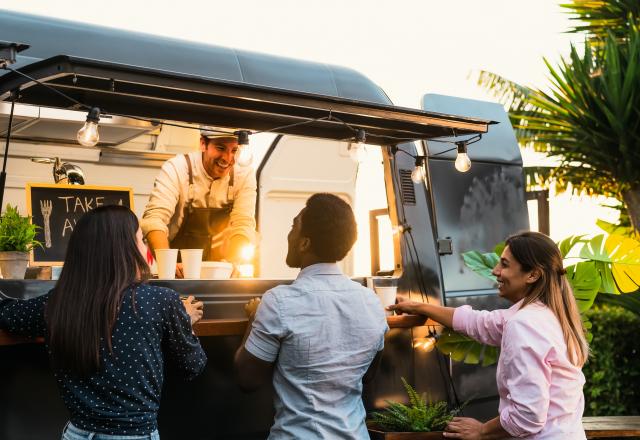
(417, 214)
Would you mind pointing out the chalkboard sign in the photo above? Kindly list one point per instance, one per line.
(57, 208)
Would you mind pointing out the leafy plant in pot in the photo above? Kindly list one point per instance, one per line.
(419, 420)
(17, 239)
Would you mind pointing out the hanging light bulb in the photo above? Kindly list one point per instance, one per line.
(418, 174)
(244, 156)
(88, 135)
(357, 150)
(463, 163)
(427, 343)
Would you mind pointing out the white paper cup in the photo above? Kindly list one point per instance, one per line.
(55, 272)
(191, 262)
(216, 270)
(167, 259)
(387, 295)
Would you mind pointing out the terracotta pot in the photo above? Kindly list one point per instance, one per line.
(13, 265)
(376, 434)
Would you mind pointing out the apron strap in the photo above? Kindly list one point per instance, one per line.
(190, 191)
(230, 194)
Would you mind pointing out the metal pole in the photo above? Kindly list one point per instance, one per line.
(3, 173)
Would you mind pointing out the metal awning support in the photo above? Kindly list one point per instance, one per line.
(160, 95)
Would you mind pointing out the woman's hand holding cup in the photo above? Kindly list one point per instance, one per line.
(409, 307)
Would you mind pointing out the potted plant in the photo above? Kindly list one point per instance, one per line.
(17, 238)
(419, 420)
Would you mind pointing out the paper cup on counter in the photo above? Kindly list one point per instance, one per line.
(191, 262)
(387, 295)
(166, 259)
(55, 272)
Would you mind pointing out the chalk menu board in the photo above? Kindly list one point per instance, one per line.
(57, 208)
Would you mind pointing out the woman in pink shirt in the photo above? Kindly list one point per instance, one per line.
(542, 342)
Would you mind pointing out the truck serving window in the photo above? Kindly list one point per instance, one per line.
(293, 169)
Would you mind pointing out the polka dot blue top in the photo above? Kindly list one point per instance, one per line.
(123, 397)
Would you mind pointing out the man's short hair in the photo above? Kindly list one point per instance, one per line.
(329, 223)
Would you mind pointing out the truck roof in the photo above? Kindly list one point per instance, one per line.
(145, 76)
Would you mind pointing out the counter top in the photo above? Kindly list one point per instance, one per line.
(233, 327)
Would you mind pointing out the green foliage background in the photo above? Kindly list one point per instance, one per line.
(612, 374)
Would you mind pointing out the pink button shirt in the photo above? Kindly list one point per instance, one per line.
(540, 390)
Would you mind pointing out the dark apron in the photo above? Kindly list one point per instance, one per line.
(204, 228)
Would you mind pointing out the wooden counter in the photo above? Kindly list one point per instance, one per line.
(612, 426)
(230, 327)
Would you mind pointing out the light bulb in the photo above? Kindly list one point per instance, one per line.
(358, 152)
(418, 175)
(463, 163)
(244, 156)
(88, 134)
(247, 252)
(425, 344)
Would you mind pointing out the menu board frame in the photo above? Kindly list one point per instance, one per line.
(84, 206)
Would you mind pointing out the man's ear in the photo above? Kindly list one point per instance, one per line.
(305, 244)
(203, 143)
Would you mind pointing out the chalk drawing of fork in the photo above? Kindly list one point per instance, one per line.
(45, 209)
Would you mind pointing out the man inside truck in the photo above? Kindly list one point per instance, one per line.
(203, 200)
(319, 338)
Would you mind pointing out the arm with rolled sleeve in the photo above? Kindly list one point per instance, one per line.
(180, 345)
(267, 330)
(482, 325)
(24, 317)
(527, 376)
(162, 201)
(242, 218)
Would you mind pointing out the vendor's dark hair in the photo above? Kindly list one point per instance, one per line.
(102, 261)
(329, 223)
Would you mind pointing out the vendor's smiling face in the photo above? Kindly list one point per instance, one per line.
(218, 155)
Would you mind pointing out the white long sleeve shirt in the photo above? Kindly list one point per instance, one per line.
(165, 209)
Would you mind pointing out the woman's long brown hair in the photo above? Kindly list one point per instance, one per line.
(102, 261)
(534, 250)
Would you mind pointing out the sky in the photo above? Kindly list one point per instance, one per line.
(408, 47)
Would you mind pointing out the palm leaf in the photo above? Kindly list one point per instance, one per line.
(617, 259)
(629, 301)
(585, 282)
(589, 119)
(482, 264)
(462, 348)
(597, 18)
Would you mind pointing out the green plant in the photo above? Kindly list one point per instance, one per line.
(612, 374)
(589, 114)
(16, 232)
(419, 416)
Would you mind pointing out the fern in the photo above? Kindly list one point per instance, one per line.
(419, 416)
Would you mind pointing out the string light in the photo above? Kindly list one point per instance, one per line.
(463, 163)
(426, 344)
(88, 135)
(357, 150)
(244, 156)
(418, 174)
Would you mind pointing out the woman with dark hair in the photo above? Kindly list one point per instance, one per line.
(108, 333)
(542, 341)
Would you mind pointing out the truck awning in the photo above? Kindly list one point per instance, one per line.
(126, 90)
